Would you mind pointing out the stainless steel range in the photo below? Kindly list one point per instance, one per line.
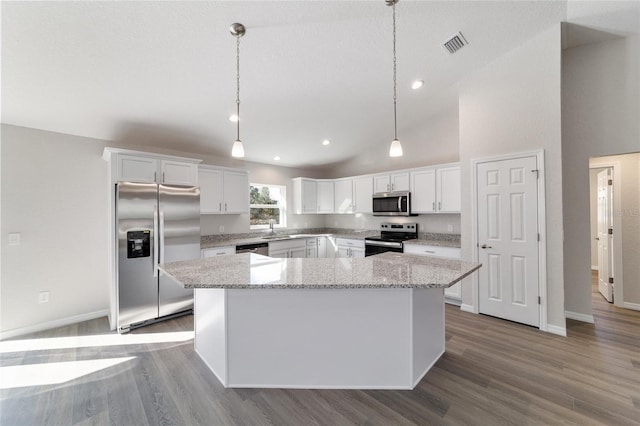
(391, 237)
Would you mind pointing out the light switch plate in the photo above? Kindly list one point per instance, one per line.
(14, 239)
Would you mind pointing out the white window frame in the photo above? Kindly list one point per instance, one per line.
(282, 207)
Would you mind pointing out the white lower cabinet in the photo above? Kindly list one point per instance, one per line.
(288, 248)
(218, 251)
(346, 247)
(453, 293)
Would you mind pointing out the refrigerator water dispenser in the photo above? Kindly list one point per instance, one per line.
(138, 244)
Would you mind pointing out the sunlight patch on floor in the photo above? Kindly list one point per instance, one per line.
(53, 373)
(93, 341)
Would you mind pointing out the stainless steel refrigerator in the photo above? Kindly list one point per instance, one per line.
(155, 223)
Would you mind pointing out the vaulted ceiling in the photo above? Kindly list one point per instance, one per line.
(310, 70)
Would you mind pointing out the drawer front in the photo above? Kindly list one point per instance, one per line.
(347, 242)
(433, 251)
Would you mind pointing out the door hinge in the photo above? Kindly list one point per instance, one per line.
(610, 231)
(610, 182)
(537, 172)
(610, 280)
(539, 300)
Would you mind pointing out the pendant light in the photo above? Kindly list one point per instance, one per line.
(396, 149)
(237, 30)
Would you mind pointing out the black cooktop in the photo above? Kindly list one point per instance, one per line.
(396, 232)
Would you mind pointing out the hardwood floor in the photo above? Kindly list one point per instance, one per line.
(494, 372)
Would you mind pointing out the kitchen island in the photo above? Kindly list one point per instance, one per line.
(368, 323)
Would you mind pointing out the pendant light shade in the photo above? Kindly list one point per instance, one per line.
(238, 149)
(237, 30)
(395, 150)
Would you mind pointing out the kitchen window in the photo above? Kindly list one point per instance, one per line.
(267, 204)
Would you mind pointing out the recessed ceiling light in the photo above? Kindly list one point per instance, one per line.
(233, 118)
(326, 142)
(417, 84)
(276, 158)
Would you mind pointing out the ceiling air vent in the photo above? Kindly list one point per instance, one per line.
(455, 43)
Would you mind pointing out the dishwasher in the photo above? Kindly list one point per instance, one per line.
(257, 248)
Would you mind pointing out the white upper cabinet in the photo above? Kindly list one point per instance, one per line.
(235, 186)
(223, 191)
(343, 195)
(305, 196)
(390, 182)
(362, 194)
(178, 173)
(325, 196)
(448, 189)
(436, 190)
(135, 166)
(210, 190)
(423, 191)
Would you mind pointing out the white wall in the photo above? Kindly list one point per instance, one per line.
(53, 195)
(600, 110)
(513, 105)
(626, 225)
(434, 141)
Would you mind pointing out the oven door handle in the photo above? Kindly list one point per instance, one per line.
(382, 244)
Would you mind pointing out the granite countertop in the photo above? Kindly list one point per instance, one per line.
(222, 240)
(386, 270)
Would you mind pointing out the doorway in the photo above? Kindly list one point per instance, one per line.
(615, 227)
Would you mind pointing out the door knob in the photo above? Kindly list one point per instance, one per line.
(484, 246)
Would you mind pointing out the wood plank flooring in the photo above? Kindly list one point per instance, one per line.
(494, 372)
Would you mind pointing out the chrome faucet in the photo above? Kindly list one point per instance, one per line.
(271, 222)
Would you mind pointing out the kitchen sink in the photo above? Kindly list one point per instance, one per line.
(276, 237)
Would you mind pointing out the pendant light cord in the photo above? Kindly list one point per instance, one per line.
(395, 113)
(238, 86)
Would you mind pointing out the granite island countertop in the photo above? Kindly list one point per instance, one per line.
(253, 271)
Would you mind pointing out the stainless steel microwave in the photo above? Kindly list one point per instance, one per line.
(392, 203)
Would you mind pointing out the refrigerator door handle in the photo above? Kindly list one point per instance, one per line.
(161, 237)
(155, 241)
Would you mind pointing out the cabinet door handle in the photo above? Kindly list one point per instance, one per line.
(225, 207)
(484, 246)
(220, 207)
(162, 177)
(434, 206)
(439, 205)
(429, 251)
(154, 177)
(387, 187)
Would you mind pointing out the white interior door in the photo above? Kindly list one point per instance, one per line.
(508, 239)
(605, 208)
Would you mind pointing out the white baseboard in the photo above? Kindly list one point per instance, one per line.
(452, 301)
(556, 329)
(467, 308)
(579, 317)
(52, 324)
(594, 267)
(629, 305)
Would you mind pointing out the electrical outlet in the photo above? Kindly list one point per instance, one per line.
(43, 297)
(449, 228)
(221, 228)
(14, 239)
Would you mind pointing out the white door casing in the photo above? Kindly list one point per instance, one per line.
(507, 236)
(604, 212)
